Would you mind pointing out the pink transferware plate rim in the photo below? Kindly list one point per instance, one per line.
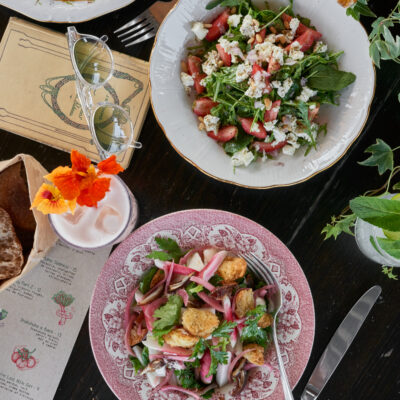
(198, 227)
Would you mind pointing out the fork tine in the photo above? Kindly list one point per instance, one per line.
(135, 28)
(147, 36)
(137, 35)
(144, 15)
(260, 271)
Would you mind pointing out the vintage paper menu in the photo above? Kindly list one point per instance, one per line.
(40, 318)
(38, 97)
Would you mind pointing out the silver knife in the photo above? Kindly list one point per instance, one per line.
(340, 343)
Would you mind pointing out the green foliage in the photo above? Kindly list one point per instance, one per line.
(381, 157)
(217, 357)
(252, 333)
(389, 273)
(136, 364)
(383, 213)
(171, 250)
(144, 285)
(358, 9)
(241, 141)
(145, 356)
(392, 247)
(199, 348)
(225, 329)
(187, 378)
(338, 225)
(193, 288)
(208, 394)
(328, 78)
(168, 316)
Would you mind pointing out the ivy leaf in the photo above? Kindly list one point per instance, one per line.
(381, 157)
(335, 228)
(383, 213)
(389, 273)
(374, 54)
(396, 186)
(358, 9)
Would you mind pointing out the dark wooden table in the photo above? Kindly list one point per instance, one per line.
(336, 270)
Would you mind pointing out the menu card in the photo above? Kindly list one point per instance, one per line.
(40, 318)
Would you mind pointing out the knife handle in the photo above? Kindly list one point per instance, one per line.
(309, 393)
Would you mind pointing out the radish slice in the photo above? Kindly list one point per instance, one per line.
(210, 301)
(179, 269)
(195, 262)
(227, 308)
(208, 254)
(205, 368)
(251, 366)
(235, 360)
(169, 276)
(170, 357)
(202, 282)
(263, 291)
(211, 268)
(222, 376)
(153, 344)
(128, 307)
(128, 335)
(166, 380)
(185, 297)
(180, 389)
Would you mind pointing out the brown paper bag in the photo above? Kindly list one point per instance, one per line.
(44, 236)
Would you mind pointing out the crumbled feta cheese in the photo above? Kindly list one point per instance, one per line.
(187, 80)
(277, 54)
(290, 61)
(232, 48)
(249, 26)
(242, 157)
(199, 30)
(211, 123)
(320, 47)
(272, 38)
(269, 126)
(294, 24)
(279, 135)
(289, 150)
(264, 51)
(259, 105)
(252, 56)
(211, 64)
(292, 139)
(305, 135)
(306, 94)
(289, 122)
(282, 87)
(243, 71)
(312, 106)
(295, 53)
(234, 20)
(256, 86)
(203, 82)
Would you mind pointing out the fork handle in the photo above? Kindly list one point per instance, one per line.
(160, 9)
(284, 379)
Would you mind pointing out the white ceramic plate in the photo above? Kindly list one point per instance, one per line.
(172, 106)
(61, 12)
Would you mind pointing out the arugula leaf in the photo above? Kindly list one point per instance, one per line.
(358, 9)
(392, 247)
(383, 213)
(381, 157)
(217, 357)
(168, 316)
(187, 378)
(325, 77)
(225, 3)
(303, 110)
(241, 141)
(252, 333)
(336, 227)
(389, 273)
(172, 251)
(136, 364)
(144, 285)
(225, 329)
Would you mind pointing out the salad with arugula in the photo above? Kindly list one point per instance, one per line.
(197, 321)
(260, 78)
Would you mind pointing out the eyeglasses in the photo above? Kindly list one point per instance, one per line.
(110, 125)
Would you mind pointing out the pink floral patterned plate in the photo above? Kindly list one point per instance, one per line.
(196, 228)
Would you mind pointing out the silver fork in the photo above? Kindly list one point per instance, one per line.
(263, 272)
(142, 28)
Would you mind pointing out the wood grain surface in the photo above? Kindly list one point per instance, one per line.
(336, 270)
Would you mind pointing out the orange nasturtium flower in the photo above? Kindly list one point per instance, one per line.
(80, 183)
(49, 200)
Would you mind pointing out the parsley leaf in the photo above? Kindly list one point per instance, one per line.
(208, 395)
(136, 364)
(217, 357)
(171, 250)
(168, 316)
(336, 227)
(144, 285)
(225, 329)
(252, 333)
(187, 378)
(193, 288)
(145, 356)
(199, 348)
(381, 157)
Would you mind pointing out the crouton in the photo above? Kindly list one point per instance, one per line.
(178, 337)
(199, 322)
(244, 302)
(232, 268)
(265, 321)
(135, 338)
(256, 356)
(158, 277)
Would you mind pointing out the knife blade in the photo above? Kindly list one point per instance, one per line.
(340, 343)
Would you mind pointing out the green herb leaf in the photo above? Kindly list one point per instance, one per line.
(396, 186)
(225, 329)
(252, 333)
(168, 316)
(159, 255)
(199, 348)
(383, 213)
(326, 77)
(381, 157)
(136, 364)
(193, 288)
(145, 356)
(144, 285)
(392, 247)
(217, 357)
(187, 378)
(389, 273)
(171, 250)
(241, 141)
(208, 394)
(336, 227)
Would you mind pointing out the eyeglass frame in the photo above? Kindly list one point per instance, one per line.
(83, 88)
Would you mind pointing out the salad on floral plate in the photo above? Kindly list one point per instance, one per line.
(260, 78)
(290, 85)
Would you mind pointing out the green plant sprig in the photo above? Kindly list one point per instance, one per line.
(371, 206)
